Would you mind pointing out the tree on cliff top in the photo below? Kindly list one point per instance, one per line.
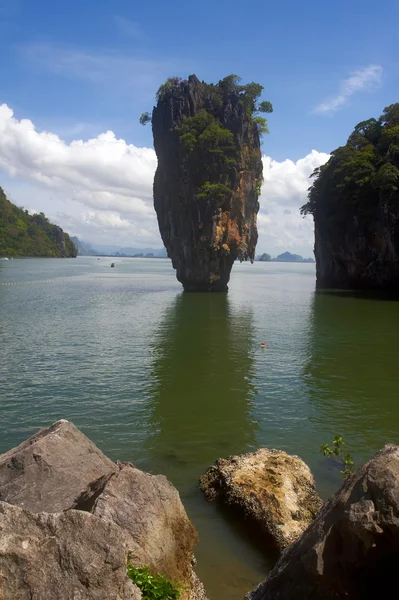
(360, 175)
(248, 94)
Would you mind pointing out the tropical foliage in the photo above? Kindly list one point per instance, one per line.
(361, 175)
(153, 587)
(336, 452)
(22, 234)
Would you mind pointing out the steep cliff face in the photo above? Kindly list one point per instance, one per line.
(207, 182)
(355, 203)
(364, 254)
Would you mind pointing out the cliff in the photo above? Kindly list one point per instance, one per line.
(208, 177)
(22, 234)
(355, 204)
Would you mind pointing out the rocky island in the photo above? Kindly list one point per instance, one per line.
(23, 234)
(355, 204)
(207, 183)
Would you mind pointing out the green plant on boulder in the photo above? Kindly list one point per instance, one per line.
(335, 452)
(153, 587)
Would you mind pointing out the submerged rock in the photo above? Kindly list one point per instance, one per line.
(351, 550)
(270, 487)
(208, 177)
(109, 509)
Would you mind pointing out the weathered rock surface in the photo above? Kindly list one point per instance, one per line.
(363, 254)
(149, 509)
(61, 556)
(110, 508)
(47, 472)
(203, 236)
(269, 487)
(351, 550)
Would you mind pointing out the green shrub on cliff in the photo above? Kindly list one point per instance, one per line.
(22, 234)
(153, 587)
(361, 175)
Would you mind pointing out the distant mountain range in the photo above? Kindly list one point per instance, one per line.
(285, 257)
(86, 249)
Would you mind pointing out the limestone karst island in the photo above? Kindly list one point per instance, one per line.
(199, 287)
(209, 175)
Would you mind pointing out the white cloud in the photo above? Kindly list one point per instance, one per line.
(101, 189)
(284, 191)
(365, 79)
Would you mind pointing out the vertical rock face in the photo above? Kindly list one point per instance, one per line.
(362, 255)
(206, 192)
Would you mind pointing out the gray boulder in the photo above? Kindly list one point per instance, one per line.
(148, 508)
(61, 556)
(351, 550)
(60, 469)
(269, 487)
(50, 470)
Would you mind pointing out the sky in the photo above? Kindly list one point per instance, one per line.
(76, 75)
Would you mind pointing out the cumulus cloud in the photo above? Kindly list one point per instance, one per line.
(365, 79)
(101, 189)
(284, 191)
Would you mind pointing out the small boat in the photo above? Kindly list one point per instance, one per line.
(5, 258)
(112, 264)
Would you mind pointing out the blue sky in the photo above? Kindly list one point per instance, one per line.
(77, 69)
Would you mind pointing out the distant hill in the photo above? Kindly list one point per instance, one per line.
(112, 250)
(22, 234)
(285, 257)
(86, 249)
(288, 257)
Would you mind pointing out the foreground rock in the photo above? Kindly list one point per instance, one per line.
(351, 550)
(270, 487)
(208, 179)
(110, 509)
(148, 508)
(63, 556)
(49, 471)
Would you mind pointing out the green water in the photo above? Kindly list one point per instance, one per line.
(172, 381)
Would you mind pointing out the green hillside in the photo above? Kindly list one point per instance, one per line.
(22, 234)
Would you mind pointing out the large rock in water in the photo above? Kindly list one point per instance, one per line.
(131, 514)
(351, 550)
(270, 487)
(205, 196)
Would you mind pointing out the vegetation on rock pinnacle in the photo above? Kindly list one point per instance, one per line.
(209, 175)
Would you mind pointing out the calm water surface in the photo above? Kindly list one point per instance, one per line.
(172, 382)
